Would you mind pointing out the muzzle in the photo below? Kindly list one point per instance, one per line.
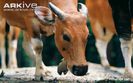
(79, 70)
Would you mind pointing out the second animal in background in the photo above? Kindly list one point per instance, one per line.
(108, 17)
(10, 35)
(102, 24)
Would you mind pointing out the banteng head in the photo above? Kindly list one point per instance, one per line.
(70, 36)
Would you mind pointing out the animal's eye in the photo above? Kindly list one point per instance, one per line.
(66, 38)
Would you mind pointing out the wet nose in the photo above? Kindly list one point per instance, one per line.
(79, 70)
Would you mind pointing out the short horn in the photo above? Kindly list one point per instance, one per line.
(57, 11)
(83, 9)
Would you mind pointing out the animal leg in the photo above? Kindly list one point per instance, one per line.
(3, 51)
(12, 54)
(102, 49)
(33, 47)
(41, 69)
(126, 47)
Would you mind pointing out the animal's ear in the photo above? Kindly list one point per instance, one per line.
(83, 9)
(44, 14)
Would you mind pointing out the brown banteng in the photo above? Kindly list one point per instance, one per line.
(101, 20)
(12, 37)
(62, 18)
(106, 23)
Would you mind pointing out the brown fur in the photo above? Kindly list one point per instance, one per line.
(74, 26)
(100, 15)
(11, 35)
(100, 11)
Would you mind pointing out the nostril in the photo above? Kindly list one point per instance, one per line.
(79, 70)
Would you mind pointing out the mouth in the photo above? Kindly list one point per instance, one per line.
(76, 70)
(62, 68)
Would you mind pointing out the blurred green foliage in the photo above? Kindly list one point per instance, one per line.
(51, 55)
(22, 58)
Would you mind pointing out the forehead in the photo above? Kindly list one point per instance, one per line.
(76, 17)
(75, 20)
(75, 23)
(75, 26)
